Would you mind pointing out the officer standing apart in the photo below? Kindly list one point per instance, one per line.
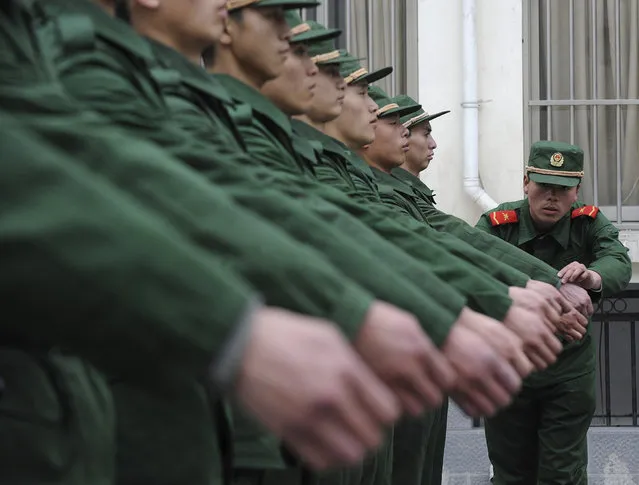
(541, 437)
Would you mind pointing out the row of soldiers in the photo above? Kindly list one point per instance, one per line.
(221, 271)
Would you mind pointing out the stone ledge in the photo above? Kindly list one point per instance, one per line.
(613, 452)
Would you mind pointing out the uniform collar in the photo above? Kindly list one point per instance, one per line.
(191, 74)
(308, 131)
(110, 28)
(409, 178)
(560, 232)
(256, 100)
(393, 182)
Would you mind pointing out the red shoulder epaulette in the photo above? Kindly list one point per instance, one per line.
(587, 210)
(499, 218)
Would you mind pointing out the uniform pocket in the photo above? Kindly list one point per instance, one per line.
(37, 442)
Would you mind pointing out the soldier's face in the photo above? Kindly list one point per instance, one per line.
(390, 145)
(259, 41)
(356, 124)
(293, 90)
(421, 145)
(329, 94)
(186, 22)
(549, 203)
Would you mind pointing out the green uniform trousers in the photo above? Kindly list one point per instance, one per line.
(542, 437)
(376, 469)
(57, 421)
(418, 448)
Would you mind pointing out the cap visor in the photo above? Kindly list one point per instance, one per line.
(316, 36)
(406, 110)
(287, 4)
(374, 76)
(554, 179)
(436, 115)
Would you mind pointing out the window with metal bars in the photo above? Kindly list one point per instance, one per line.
(383, 32)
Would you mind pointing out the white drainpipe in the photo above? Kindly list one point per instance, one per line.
(470, 105)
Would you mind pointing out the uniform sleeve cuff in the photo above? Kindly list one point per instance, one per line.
(350, 312)
(224, 369)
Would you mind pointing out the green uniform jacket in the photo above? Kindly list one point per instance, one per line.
(269, 139)
(591, 241)
(290, 274)
(494, 247)
(399, 196)
(200, 105)
(107, 73)
(80, 249)
(339, 167)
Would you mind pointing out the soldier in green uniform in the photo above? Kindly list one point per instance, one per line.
(419, 443)
(109, 65)
(341, 168)
(266, 134)
(268, 139)
(541, 438)
(388, 151)
(421, 147)
(411, 438)
(336, 171)
(35, 98)
(284, 90)
(151, 314)
(189, 94)
(200, 105)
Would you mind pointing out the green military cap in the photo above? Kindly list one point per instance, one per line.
(388, 106)
(308, 31)
(353, 72)
(324, 52)
(287, 4)
(410, 120)
(556, 163)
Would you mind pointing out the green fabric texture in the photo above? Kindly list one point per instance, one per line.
(592, 242)
(153, 306)
(542, 436)
(450, 259)
(133, 100)
(269, 138)
(57, 417)
(98, 84)
(181, 196)
(556, 163)
(418, 448)
(487, 243)
(197, 106)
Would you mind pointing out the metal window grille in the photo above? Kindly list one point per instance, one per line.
(581, 86)
(614, 330)
(388, 29)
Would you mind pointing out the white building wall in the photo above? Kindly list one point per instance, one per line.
(500, 62)
(501, 115)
